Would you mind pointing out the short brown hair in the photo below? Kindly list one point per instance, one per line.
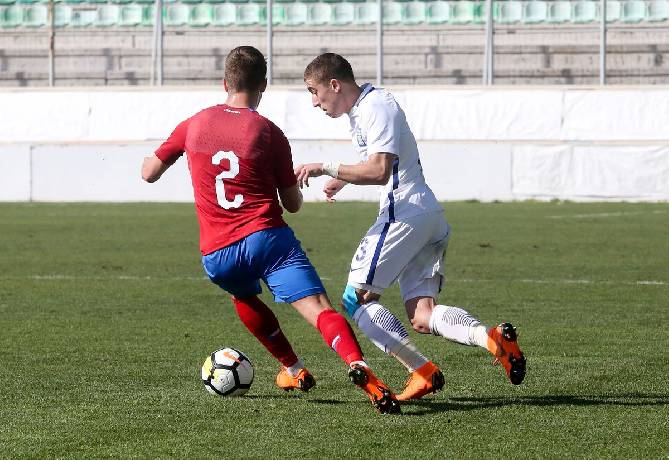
(245, 69)
(328, 66)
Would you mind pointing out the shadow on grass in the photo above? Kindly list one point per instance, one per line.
(472, 403)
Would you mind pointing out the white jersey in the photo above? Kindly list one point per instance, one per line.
(378, 124)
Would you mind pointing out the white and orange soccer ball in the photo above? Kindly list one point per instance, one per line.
(227, 372)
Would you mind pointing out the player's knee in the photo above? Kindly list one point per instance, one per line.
(421, 322)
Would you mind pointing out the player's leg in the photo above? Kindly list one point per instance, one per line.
(420, 284)
(228, 269)
(374, 267)
(295, 281)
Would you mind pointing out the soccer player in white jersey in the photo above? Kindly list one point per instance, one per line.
(407, 242)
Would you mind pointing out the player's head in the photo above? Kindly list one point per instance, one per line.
(245, 70)
(330, 80)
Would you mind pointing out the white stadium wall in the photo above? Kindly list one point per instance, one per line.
(511, 143)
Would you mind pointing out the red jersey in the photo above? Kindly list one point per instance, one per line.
(237, 160)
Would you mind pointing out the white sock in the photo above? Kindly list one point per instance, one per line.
(457, 325)
(295, 368)
(388, 334)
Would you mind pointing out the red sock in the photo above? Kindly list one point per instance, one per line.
(261, 322)
(338, 334)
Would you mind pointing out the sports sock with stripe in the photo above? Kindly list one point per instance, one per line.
(261, 322)
(339, 336)
(457, 325)
(388, 334)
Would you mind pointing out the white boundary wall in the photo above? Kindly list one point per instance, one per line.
(578, 143)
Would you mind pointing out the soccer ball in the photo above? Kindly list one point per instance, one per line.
(227, 372)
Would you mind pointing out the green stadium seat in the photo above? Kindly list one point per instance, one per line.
(238, 1)
(201, 15)
(415, 12)
(107, 16)
(559, 11)
(250, 14)
(224, 14)
(11, 16)
(613, 10)
(633, 11)
(35, 15)
(176, 15)
(319, 14)
(585, 11)
(75, 2)
(509, 12)
(130, 15)
(189, 2)
(463, 12)
(392, 12)
(121, 2)
(148, 15)
(62, 15)
(28, 2)
(658, 10)
(366, 13)
(6, 2)
(343, 13)
(95, 1)
(215, 1)
(84, 18)
(278, 14)
(296, 14)
(535, 11)
(438, 12)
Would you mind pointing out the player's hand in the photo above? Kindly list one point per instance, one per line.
(305, 171)
(331, 188)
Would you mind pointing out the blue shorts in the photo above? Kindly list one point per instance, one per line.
(274, 256)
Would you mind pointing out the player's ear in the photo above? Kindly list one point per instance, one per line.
(263, 87)
(225, 85)
(335, 85)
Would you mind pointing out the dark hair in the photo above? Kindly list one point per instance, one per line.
(245, 69)
(328, 66)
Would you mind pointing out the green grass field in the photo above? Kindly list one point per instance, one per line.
(106, 318)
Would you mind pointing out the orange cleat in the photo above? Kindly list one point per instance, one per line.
(426, 379)
(304, 381)
(379, 393)
(502, 342)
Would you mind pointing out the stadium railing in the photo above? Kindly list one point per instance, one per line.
(217, 13)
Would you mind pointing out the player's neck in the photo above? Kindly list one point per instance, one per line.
(243, 100)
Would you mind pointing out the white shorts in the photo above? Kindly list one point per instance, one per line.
(411, 251)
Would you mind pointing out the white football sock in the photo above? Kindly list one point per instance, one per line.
(296, 368)
(457, 325)
(388, 334)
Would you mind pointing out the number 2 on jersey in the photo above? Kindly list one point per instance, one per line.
(232, 172)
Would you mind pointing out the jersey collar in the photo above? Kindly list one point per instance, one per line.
(366, 89)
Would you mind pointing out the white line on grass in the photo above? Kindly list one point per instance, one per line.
(200, 278)
(107, 278)
(602, 215)
(564, 281)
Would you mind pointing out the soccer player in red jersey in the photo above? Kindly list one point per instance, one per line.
(238, 160)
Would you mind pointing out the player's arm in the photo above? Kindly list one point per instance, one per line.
(152, 168)
(375, 171)
(291, 198)
(155, 165)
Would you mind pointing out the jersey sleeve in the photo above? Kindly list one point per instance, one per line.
(383, 129)
(175, 145)
(283, 159)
